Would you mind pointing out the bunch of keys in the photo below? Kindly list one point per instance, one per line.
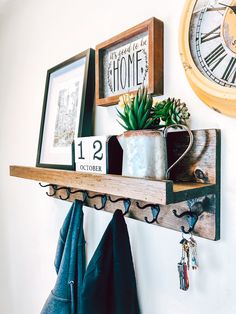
(189, 254)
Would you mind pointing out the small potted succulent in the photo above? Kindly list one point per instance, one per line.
(146, 124)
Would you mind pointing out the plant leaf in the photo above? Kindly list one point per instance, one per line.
(144, 119)
(125, 127)
(148, 104)
(140, 112)
(132, 121)
(122, 116)
(136, 102)
(125, 119)
(147, 124)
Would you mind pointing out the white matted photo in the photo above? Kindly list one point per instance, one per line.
(67, 110)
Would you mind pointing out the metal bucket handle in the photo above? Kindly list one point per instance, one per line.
(186, 151)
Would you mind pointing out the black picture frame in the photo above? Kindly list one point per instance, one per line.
(69, 89)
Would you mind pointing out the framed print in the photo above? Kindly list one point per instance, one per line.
(67, 110)
(130, 60)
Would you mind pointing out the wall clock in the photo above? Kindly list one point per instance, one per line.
(208, 51)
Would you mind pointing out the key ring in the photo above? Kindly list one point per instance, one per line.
(187, 236)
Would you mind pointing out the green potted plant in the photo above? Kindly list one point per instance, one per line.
(144, 141)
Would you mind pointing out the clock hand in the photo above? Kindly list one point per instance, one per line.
(232, 7)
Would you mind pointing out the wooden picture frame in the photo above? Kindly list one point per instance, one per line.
(67, 110)
(130, 60)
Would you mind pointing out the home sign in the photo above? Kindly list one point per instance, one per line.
(126, 66)
(130, 60)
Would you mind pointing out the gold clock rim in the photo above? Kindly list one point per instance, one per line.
(222, 99)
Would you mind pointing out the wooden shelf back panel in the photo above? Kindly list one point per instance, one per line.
(202, 163)
(206, 226)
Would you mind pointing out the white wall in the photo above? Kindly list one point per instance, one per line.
(34, 36)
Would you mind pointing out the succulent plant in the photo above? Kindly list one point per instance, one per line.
(137, 111)
(169, 111)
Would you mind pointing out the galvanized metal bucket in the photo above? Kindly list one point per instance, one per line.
(145, 153)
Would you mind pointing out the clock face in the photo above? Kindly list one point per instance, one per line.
(212, 40)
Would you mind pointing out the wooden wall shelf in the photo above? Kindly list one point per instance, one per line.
(159, 192)
(196, 194)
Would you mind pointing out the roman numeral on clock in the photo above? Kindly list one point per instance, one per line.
(218, 9)
(230, 71)
(215, 33)
(215, 57)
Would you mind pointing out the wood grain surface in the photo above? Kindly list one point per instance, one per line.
(206, 226)
(194, 185)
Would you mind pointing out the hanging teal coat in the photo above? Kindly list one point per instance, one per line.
(108, 285)
(69, 264)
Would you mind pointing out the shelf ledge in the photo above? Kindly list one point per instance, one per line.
(150, 191)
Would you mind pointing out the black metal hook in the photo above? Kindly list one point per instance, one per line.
(192, 219)
(54, 186)
(68, 192)
(126, 203)
(155, 208)
(103, 200)
(85, 194)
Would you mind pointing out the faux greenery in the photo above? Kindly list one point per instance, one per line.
(137, 110)
(170, 111)
(140, 113)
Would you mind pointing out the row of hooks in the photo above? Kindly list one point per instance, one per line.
(191, 217)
